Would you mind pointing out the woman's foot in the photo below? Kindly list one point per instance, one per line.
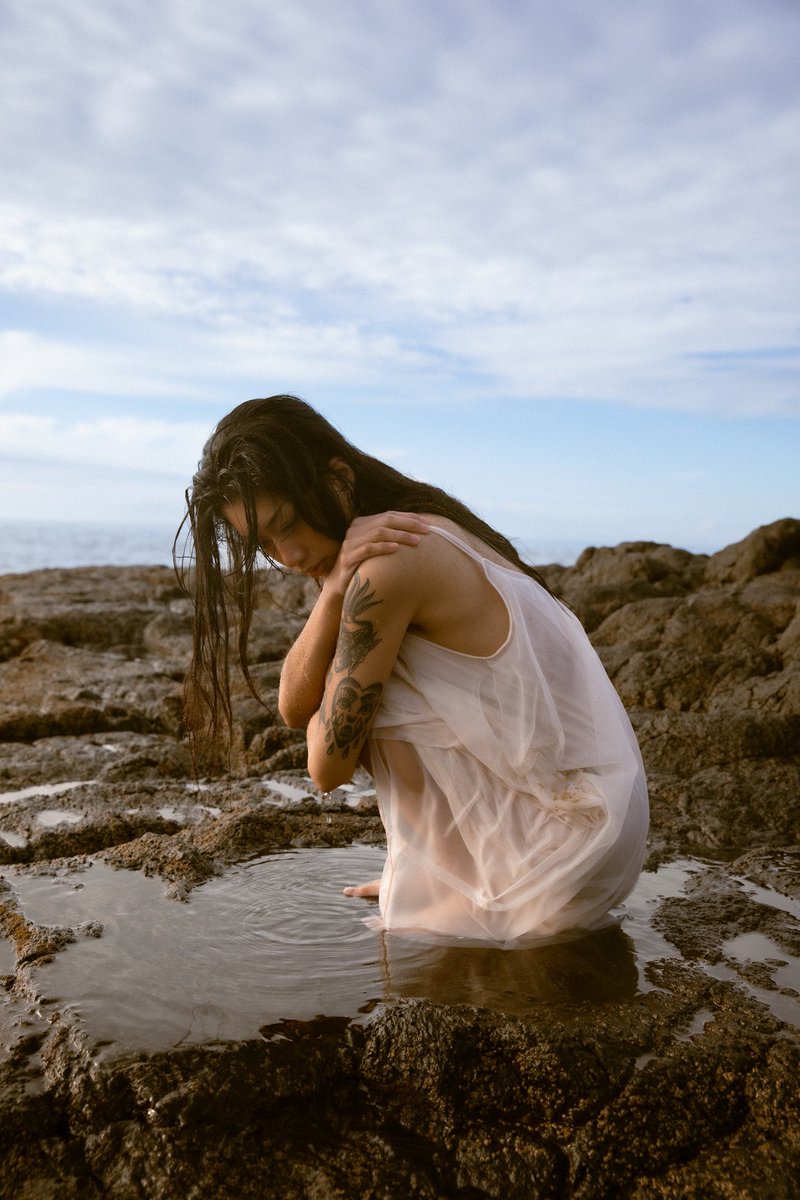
(365, 890)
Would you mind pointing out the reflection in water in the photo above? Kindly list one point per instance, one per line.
(596, 968)
(274, 940)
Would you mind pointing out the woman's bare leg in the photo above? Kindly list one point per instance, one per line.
(368, 890)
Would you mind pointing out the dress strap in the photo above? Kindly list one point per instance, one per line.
(457, 541)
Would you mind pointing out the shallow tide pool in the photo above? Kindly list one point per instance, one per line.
(274, 939)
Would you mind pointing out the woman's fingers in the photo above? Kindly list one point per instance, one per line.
(380, 533)
(386, 531)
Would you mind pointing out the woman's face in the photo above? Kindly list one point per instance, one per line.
(285, 537)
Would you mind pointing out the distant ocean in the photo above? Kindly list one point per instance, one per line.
(33, 545)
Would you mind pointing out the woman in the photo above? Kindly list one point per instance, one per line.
(507, 773)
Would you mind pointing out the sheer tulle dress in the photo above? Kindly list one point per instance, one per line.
(511, 786)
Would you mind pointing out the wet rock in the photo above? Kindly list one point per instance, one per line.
(191, 856)
(32, 942)
(429, 1100)
(777, 868)
(714, 909)
(117, 754)
(88, 606)
(56, 690)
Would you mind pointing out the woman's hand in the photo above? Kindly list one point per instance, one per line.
(366, 537)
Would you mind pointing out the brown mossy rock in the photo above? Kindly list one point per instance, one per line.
(691, 742)
(169, 634)
(89, 837)
(770, 548)
(604, 579)
(711, 678)
(132, 610)
(777, 868)
(425, 1100)
(190, 856)
(726, 810)
(53, 689)
(687, 655)
(109, 607)
(109, 755)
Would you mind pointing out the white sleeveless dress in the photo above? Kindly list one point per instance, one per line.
(511, 786)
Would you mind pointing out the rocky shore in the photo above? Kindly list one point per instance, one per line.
(660, 1064)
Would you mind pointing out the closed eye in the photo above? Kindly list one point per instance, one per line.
(284, 519)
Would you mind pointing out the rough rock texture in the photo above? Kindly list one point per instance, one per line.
(705, 653)
(671, 1076)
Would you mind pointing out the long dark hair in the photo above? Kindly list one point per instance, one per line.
(283, 447)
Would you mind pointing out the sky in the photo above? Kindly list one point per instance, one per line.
(542, 255)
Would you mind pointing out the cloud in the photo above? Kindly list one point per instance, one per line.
(442, 200)
(152, 447)
(32, 362)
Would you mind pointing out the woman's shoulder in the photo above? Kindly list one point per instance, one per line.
(445, 588)
(471, 541)
(408, 563)
(436, 566)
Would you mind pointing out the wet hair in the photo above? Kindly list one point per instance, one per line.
(283, 447)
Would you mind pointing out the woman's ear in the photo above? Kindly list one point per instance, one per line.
(343, 472)
(343, 480)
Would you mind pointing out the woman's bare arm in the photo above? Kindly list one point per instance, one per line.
(306, 665)
(381, 602)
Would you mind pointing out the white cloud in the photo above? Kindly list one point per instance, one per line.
(133, 444)
(44, 370)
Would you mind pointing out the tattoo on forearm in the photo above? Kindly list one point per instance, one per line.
(357, 636)
(351, 711)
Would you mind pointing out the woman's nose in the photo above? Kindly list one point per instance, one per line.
(291, 554)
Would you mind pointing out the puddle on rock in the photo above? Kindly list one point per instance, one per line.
(275, 939)
(776, 979)
(183, 816)
(17, 840)
(754, 947)
(288, 791)
(768, 896)
(270, 939)
(669, 879)
(52, 817)
(7, 957)
(44, 789)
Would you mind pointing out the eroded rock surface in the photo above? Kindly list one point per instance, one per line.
(669, 1070)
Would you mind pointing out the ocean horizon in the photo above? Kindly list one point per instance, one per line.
(33, 545)
(37, 545)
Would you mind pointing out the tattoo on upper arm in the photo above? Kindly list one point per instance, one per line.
(357, 636)
(351, 711)
(352, 706)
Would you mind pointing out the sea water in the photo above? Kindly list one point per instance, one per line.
(34, 545)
